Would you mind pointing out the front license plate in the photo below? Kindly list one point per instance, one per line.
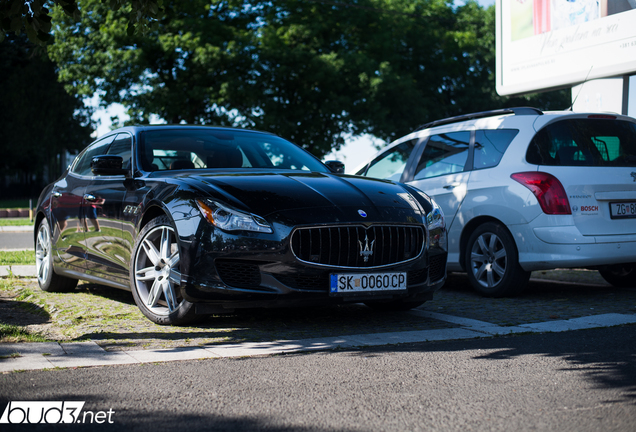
(367, 282)
(623, 210)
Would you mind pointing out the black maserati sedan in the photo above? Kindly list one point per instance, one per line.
(199, 220)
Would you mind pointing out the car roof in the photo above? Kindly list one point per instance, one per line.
(519, 115)
(142, 128)
(482, 114)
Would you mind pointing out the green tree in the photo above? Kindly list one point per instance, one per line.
(427, 72)
(309, 70)
(39, 118)
(33, 16)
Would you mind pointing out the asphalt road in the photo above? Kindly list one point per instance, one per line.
(16, 240)
(572, 381)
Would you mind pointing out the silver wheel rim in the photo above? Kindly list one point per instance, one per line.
(42, 251)
(488, 260)
(157, 271)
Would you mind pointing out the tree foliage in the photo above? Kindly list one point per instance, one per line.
(309, 70)
(33, 17)
(39, 118)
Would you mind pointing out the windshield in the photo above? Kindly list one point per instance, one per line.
(177, 149)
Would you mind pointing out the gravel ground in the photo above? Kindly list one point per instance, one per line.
(110, 317)
(550, 295)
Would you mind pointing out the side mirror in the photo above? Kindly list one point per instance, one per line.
(335, 166)
(108, 165)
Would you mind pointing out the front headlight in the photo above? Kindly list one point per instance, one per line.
(435, 218)
(230, 219)
(436, 227)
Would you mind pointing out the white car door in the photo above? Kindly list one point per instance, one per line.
(442, 171)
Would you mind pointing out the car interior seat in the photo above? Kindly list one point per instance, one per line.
(181, 164)
(225, 158)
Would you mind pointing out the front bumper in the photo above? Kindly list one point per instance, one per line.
(231, 272)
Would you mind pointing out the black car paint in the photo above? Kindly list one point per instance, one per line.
(288, 199)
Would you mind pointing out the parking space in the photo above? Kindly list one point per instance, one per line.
(110, 318)
(96, 325)
(550, 295)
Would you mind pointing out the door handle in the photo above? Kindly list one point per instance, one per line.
(89, 197)
(452, 185)
(56, 194)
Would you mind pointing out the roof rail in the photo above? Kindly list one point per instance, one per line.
(482, 114)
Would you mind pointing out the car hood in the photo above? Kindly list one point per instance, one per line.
(265, 193)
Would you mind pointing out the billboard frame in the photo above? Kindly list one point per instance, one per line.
(556, 53)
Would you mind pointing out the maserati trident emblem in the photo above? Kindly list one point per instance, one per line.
(366, 250)
(634, 176)
(362, 213)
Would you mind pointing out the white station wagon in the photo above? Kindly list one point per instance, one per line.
(526, 190)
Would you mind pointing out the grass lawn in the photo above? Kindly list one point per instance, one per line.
(16, 333)
(15, 221)
(26, 257)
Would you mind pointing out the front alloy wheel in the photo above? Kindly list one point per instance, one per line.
(156, 275)
(493, 262)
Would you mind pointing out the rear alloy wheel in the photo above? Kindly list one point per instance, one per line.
(156, 275)
(492, 262)
(47, 279)
(620, 275)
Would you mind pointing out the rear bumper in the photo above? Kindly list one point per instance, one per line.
(544, 248)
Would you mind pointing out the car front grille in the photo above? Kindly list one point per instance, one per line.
(307, 283)
(355, 246)
(238, 274)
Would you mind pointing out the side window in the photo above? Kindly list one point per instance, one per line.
(390, 164)
(82, 165)
(490, 145)
(122, 146)
(443, 154)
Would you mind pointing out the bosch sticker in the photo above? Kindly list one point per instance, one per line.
(589, 208)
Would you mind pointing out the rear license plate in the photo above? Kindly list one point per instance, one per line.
(367, 282)
(623, 210)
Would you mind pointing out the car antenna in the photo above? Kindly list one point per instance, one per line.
(580, 90)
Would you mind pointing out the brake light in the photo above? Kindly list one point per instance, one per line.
(602, 116)
(548, 190)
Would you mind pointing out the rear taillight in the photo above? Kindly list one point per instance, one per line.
(548, 190)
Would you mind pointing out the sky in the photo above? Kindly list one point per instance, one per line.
(356, 150)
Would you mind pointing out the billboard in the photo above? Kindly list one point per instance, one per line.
(546, 44)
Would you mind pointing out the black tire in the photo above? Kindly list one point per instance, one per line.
(492, 262)
(47, 278)
(620, 275)
(155, 275)
(394, 305)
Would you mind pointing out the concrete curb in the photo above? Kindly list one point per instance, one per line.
(16, 228)
(18, 271)
(47, 355)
